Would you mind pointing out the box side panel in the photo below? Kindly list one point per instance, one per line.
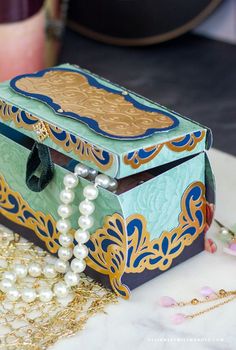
(134, 280)
(163, 224)
(159, 200)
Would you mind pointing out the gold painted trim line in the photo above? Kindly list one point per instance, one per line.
(144, 155)
(17, 210)
(124, 245)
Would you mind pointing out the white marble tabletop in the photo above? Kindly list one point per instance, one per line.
(141, 323)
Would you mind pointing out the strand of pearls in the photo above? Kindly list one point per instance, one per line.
(76, 255)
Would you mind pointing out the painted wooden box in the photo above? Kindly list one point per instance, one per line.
(163, 205)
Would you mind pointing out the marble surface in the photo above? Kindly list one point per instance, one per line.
(141, 323)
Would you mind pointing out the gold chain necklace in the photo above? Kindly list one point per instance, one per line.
(38, 325)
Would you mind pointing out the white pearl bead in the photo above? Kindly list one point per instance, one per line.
(34, 270)
(63, 225)
(78, 265)
(28, 295)
(65, 253)
(102, 180)
(71, 279)
(86, 207)
(65, 240)
(61, 266)
(64, 210)
(85, 222)
(67, 196)
(10, 275)
(70, 180)
(61, 290)
(82, 236)
(49, 271)
(92, 173)
(45, 295)
(5, 285)
(12, 294)
(20, 270)
(81, 170)
(90, 192)
(80, 251)
(113, 184)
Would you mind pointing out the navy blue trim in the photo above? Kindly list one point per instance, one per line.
(92, 124)
(134, 280)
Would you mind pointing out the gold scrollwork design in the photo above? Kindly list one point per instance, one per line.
(21, 119)
(124, 246)
(121, 246)
(185, 143)
(84, 150)
(107, 113)
(17, 210)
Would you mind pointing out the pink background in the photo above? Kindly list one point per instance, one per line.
(22, 46)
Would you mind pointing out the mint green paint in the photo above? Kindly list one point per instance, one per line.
(159, 199)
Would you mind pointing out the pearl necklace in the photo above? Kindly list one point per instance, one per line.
(71, 271)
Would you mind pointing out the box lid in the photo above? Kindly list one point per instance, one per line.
(98, 123)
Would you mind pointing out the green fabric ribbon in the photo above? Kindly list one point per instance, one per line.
(39, 159)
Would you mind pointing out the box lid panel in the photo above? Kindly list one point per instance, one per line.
(78, 95)
(111, 156)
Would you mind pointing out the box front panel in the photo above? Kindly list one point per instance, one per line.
(37, 211)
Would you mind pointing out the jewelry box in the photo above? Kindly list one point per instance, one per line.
(158, 215)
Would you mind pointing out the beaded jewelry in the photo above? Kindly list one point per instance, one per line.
(76, 255)
(209, 296)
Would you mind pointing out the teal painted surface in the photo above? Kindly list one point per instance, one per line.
(159, 199)
(12, 167)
